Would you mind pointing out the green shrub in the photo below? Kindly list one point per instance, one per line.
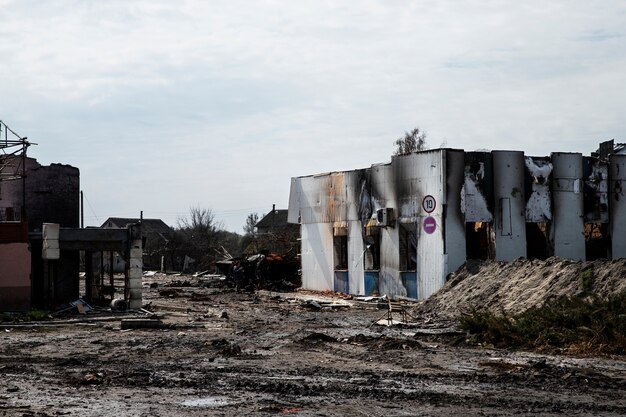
(594, 325)
(585, 278)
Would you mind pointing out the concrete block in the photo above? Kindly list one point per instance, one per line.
(135, 293)
(51, 254)
(134, 284)
(50, 231)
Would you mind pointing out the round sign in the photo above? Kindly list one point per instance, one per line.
(429, 204)
(430, 225)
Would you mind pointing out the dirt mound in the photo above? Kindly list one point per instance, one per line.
(513, 287)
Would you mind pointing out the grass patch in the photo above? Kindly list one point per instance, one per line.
(579, 325)
(32, 315)
(586, 279)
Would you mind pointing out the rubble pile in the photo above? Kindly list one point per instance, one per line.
(514, 287)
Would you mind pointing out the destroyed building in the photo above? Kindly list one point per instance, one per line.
(40, 238)
(400, 228)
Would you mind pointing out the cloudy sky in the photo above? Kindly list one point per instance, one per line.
(165, 105)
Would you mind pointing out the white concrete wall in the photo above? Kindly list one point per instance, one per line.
(510, 219)
(317, 256)
(356, 251)
(429, 169)
(567, 194)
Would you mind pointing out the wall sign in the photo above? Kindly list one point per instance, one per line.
(429, 225)
(429, 203)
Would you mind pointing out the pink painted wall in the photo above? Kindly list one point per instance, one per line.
(14, 276)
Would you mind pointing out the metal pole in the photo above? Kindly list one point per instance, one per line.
(82, 210)
(24, 180)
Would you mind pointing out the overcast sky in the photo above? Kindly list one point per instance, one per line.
(164, 105)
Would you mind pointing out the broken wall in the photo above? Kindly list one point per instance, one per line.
(453, 220)
(430, 211)
(52, 193)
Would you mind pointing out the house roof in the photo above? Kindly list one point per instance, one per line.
(273, 218)
(148, 225)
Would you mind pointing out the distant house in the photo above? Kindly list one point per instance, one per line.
(155, 237)
(275, 234)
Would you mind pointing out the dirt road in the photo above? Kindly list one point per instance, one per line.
(228, 354)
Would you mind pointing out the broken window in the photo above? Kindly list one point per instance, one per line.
(537, 242)
(597, 242)
(408, 247)
(480, 240)
(596, 207)
(340, 245)
(371, 257)
(537, 184)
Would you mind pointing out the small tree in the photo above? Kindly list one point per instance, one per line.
(249, 239)
(411, 142)
(251, 221)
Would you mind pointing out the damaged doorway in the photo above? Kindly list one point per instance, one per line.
(340, 259)
(596, 207)
(597, 241)
(480, 240)
(371, 260)
(408, 258)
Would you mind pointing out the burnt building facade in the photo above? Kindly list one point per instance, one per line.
(400, 228)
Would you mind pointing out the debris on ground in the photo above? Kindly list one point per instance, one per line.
(284, 353)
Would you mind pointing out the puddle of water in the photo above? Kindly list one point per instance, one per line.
(209, 402)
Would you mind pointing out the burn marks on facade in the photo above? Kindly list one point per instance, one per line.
(367, 231)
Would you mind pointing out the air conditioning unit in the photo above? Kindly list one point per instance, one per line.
(384, 217)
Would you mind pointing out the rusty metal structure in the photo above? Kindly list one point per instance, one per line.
(13, 150)
(400, 228)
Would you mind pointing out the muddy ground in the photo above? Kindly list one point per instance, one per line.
(231, 354)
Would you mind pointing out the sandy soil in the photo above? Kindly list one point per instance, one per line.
(513, 287)
(229, 354)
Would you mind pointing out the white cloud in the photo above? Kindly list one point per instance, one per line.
(170, 104)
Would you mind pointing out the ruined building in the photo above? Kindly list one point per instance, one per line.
(40, 241)
(400, 228)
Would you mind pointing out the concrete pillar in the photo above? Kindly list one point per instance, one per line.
(617, 205)
(510, 202)
(567, 193)
(454, 248)
(134, 272)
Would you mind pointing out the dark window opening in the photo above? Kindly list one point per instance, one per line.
(597, 241)
(537, 246)
(371, 256)
(480, 240)
(408, 247)
(340, 245)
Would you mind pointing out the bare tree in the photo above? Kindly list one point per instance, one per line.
(411, 142)
(198, 234)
